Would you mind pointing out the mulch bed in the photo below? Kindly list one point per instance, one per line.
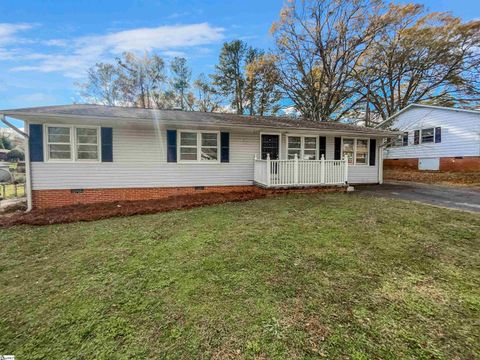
(91, 212)
(434, 177)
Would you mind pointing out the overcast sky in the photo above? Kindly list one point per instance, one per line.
(46, 45)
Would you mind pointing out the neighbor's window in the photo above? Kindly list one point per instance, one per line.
(361, 152)
(59, 143)
(305, 147)
(87, 143)
(427, 135)
(198, 146)
(348, 149)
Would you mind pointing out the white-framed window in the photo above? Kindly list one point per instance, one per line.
(428, 135)
(357, 150)
(361, 152)
(72, 143)
(198, 146)
(87, 144)
(305, 147)
(59, 143)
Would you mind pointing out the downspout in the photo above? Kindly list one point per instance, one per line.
(28, 169)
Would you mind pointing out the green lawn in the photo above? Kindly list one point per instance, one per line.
(291, 277)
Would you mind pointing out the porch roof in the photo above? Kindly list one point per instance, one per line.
(196, 117)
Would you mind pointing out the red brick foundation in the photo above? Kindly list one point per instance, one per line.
(450, 164)
(43, 199)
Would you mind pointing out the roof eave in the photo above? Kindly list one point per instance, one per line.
(27, 115)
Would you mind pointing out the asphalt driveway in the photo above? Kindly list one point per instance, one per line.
(447, 196)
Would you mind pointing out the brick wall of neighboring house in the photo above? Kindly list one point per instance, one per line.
(453, 164)
(408, 164)
(43, 199)
(463, 164)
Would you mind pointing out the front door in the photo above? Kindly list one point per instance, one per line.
(270, 145)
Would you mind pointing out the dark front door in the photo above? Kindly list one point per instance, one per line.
(271, 145)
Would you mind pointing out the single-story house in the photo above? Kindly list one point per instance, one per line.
(434, 138)
(94, 153)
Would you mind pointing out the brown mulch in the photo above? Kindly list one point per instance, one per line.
(434, 177)
(91, 212)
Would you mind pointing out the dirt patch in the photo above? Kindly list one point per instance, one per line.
(99, 211)
(434, 177)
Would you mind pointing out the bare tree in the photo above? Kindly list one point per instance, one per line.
(142, 79)
(421, 57)
(319, 45)
(102, 85)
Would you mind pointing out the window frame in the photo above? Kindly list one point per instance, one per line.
(302, 146)
(354, 163)
(99, 148)
(73, 144)
(198, 147)
(433, 136)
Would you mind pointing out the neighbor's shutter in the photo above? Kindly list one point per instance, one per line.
(171, 145)
(35, 142)
(416, 137)
(107, 144)
(405, 139)
(224, 147)
(322, 147)
(338, 148)
(438, 134)
(373, 151)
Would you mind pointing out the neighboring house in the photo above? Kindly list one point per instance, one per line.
(434, 138)
(93, 153)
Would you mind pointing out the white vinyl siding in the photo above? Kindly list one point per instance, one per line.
(140, 160)
(460, 133)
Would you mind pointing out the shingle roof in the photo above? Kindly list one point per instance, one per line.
(101, 111)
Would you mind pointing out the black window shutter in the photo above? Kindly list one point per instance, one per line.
(438, 134)
(373, 151)
(322, 147)
(405, 139)
(416, 137)
(338, 148)
(171, 145)
(224, 147)
(107, 144)
(35, 142)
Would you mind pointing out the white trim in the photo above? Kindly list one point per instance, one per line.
(72, 143)
(302, 145)
(198, 147)
(280, 148)
(354, 163)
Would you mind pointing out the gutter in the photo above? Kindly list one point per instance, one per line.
(28, 169)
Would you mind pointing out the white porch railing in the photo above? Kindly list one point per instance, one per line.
(295, 172)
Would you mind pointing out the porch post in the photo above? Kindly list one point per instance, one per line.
(346, 169)
(295, 170)
(322, 169)
(269, 170)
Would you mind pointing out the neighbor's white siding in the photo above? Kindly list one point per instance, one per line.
(460, 133)
(140, 160)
